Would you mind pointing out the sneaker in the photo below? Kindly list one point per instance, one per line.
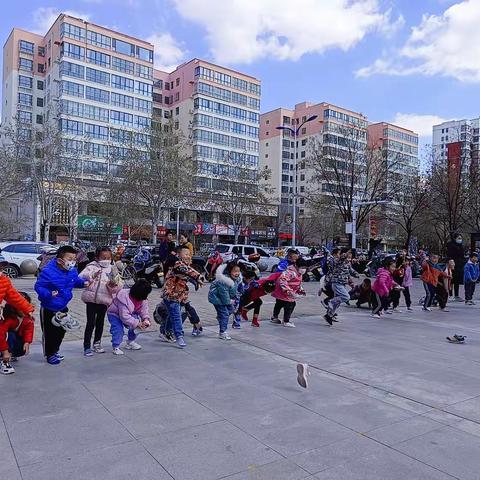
(444, 309)
(302, 374)
(6, 368)
(97, 348)
(276, 321)
(132, 346)
(117, 351)
(458, 299)
(426, 309)
(288, 324)
(396, 310)
(255, 323)
(170, 337)
(236, 326)
(376, 315)
(53, 360)
(60, 356)
(181, 342)
(88, 352)
(196, 332)
(328, 319)
(409, 309)
(388, 312)
(469, 302)
(224, 336)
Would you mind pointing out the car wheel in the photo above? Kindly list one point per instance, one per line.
(11, 271)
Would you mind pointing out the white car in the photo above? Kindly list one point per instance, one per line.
(17, 252)
(267, 262)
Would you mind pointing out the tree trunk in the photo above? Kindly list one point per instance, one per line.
(237, 234)
(46, 232)
(154, 233)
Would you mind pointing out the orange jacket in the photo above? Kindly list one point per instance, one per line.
(12, 297)
(430, 274)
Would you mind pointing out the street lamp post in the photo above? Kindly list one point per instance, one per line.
(355, 205)
(294, 132)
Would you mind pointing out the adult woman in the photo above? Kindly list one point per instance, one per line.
(185, 242)
(456, 252)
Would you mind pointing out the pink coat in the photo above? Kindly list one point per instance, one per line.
(123, 308)
(384, 283)
(288, 284)
(99, 291)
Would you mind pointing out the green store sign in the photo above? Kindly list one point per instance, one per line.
(94, 224)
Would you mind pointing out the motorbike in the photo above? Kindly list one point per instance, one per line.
(144, 268)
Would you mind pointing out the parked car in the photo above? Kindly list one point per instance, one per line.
(267, 262)
(17, 252)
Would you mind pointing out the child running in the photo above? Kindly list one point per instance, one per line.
(470, 277)
(447, 281)
(223, 295)
(129, 309)
(430, 277)
(54, 287)
(288, 287)
(104, 284)
(381, 288)
(16, 334)
(251, 298)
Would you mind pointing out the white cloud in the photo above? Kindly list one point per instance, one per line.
(421, 124)
(447, 44)
(44, 17)
(168, 52)
(242, 31)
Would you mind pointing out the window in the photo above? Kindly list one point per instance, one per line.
(72, 31)
(25, 117)
(123, 47)
(120, 100)
(40, 84)
(95, 113)
(144, 71)
(98, 76)
(26, 47)
(69, 69)
(122, 83)
(177, 96)
(302, 155)
(142, 122)
(96, 131)
(99, 40)
(71, 108)
(94, 168)
(97, 94)
(25, 82)
(95, 149)
(41, 68)
(41, 51)
(25, 99)
(71, 127)
(25, 64)
(71, 88)
(177, 110)
(167, 86)
(143, 88)
(177, 82)
(143, 105)
(304, 130)
(121, 118)
(304, 142)
(98, 58)
(39, 102)
(302, 177)
(73, 51)
(145, 54)
(123, 65)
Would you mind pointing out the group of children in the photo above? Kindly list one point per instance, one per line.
(234, 293)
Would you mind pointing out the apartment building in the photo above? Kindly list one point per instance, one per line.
(98, 83)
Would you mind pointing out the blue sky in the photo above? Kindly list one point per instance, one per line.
(414, 62)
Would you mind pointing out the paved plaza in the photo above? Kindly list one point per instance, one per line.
(388, 399)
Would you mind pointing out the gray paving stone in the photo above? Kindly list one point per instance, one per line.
(210, 451)
(162, 414)
(469, 409)
(291, 430)
(121, 462)
(116, 391)
(447, 449)
(389, 465)
(442, 417)
(11, 473)
(279, 470)
(337, 453)
(43, 438)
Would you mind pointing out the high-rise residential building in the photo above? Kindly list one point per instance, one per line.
(98, 83)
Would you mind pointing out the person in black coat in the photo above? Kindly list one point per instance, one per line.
(456, 251)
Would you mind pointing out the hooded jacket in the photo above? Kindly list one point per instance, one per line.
(383, 283)
(12, 297)
(288, 284)
(176, 283)
(24, 328)
(100, 290)
(470, 272)
(342, 271)
(431, 274)
(224, 289)
(124, 308)
(53, 277)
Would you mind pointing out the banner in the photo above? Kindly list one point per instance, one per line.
(95, 224)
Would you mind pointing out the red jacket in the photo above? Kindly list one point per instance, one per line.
(12, 297)
(25, 330)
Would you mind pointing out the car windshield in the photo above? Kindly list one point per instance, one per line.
(222, 248)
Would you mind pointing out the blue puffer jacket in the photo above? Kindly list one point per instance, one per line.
(224, 289)
(470, 272)
(53, 277)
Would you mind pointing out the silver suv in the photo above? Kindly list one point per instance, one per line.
(267, 262)
(17, 252)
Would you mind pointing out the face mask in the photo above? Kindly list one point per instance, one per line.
(69, 265)
(459, 240)
(104, 263)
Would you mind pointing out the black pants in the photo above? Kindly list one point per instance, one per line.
(430, 291)
(442, 295)
(395, 297)
(52, 335)
(408, 298)
(379, 303)
(255, 305)
(469, 290)
(95, 320)
(288, 308)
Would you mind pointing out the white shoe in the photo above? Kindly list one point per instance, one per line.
(426, 309)
(6, 369)
(396, 310)
(117, 351)
(132, 346)
(97, 348)
(410, 309)
(376, 315)
(224, 336)
(288, 324)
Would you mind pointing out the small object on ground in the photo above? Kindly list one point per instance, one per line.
(457, 339)
(302, 373)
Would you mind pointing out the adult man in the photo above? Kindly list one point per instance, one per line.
(456, 251)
